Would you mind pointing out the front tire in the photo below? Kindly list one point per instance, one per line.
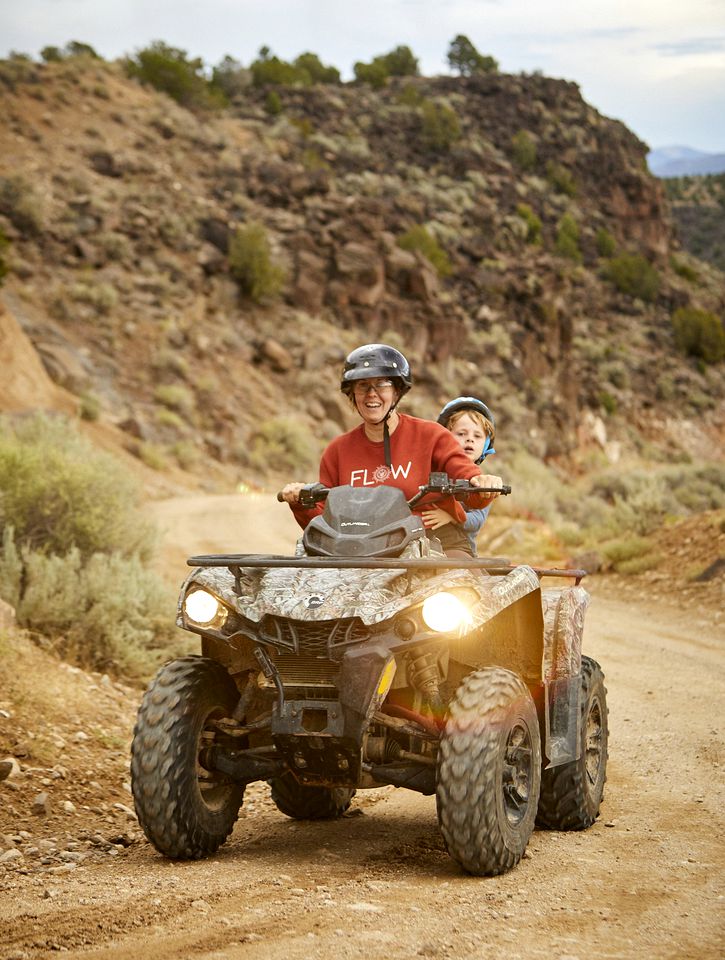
(309, 803)
(572, 793)
(186, 811)
(489, 772)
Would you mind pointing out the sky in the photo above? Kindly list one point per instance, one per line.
(657, 65)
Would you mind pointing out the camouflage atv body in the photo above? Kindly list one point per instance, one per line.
(370, 659)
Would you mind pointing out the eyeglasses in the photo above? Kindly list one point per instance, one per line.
(361, 387)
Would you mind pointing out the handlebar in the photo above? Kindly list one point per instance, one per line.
(310, 494)
(439, 483)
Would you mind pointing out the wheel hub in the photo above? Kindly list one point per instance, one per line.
(517, 773)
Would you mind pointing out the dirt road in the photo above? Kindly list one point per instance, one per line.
(645, 881)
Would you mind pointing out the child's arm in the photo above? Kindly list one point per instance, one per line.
(475, 519)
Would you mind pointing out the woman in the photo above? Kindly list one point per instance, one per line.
(389, 447)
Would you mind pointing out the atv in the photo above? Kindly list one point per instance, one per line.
(369, 659)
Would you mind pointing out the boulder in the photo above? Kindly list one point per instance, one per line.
(9, 768)
(362, 272)
(41, 805)
(278, 357)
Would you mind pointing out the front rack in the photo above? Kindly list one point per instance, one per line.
(493, 566)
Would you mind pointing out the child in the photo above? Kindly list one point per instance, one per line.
(472, 424)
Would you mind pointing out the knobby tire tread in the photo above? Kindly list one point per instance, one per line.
(565, 802)
(164, 759)
(469, 772)
(309, 803)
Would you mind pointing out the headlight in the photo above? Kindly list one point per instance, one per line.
(444, 612)
(203, 608)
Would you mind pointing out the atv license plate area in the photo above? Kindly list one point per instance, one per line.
(309, 735)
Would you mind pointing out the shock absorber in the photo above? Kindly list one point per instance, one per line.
(424, 676)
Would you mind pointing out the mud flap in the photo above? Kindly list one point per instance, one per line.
(562, 738)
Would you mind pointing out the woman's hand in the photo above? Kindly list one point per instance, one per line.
(434, 518)
(291, 492)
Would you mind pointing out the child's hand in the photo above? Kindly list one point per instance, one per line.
(434, 517)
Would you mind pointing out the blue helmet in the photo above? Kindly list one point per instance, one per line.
(470, 403)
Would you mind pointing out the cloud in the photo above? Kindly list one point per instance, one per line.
(692, 46)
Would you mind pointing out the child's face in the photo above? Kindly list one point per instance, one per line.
(470, 436)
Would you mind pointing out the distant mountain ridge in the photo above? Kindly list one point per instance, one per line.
(680, 161)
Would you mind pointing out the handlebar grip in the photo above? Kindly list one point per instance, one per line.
(506, 489)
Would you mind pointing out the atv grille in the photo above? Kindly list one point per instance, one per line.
(305, 671)
(313, 637)
(310, 665)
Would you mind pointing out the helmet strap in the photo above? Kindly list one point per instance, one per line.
(386, 436)
(487, 448)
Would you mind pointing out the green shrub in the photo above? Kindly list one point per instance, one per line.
(103, 611)
(270, 70)
(51, 54)
(440, 125)
(640, 502)
(304, 125)
(273, 103)
(101, 296)
(176, 397)
(418, 238)
(410, 96)
(567, 238)
(153, 455)
(561, 179)
(533, 223)
(170, 419)
(636, 565)
(90, 407)
(699, 333)
(250, 264)
(311, 64)
(523, 148)
(186, 454)
(684, 270)
(281, 444)
(21, 205)
(607, 402)
(633, 274)
(631, 555)
(606, 244)
(466, 60)
(626, 548)
(375, 73)
(400, 62)
(58, 492)
(75, 48)
(230, 78)
(170, 70)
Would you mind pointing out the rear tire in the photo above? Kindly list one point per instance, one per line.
(489, 770)
(572, 793)
(186, 811)
(309, 803)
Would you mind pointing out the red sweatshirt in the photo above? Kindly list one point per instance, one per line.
(417, 448)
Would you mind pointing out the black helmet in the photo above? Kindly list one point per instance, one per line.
(470, 403)
(376, 360)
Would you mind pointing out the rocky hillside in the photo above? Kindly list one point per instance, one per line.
(697, 205)
(119, 207)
